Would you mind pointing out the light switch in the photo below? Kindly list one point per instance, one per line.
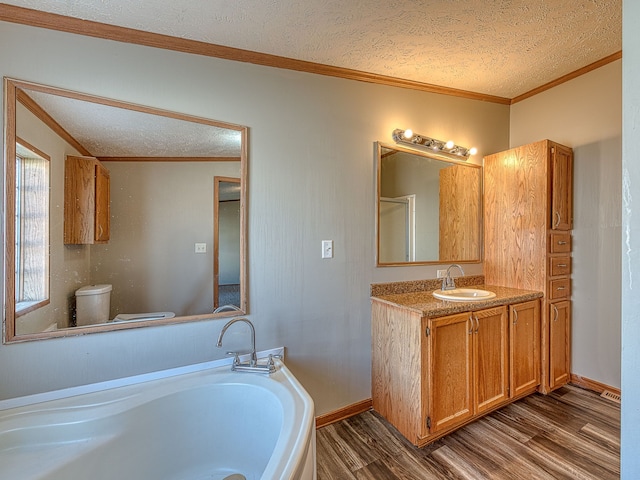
(327, 249)
(201, 248)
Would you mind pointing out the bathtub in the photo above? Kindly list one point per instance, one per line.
(207, 423)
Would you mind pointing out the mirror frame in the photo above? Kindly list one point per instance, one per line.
(12, 88)
(379, 147)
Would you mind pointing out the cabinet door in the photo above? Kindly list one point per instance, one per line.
(524, 334)
(450, 383)
(490, 358)
(79, 200)
(561, 188)
(102, 225)
(559, 343)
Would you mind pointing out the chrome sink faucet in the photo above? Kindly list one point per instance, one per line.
(252, 365)
(448, 283)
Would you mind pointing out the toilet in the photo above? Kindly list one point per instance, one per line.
(94, 301)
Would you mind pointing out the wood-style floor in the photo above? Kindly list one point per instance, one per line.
(569, 434)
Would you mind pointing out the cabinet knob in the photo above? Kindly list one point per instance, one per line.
(562, 242)
(557, 219)
(555, 313)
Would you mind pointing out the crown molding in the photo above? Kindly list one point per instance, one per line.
(570, 76)
(52, 21)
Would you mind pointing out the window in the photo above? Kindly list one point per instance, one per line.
(32, 229)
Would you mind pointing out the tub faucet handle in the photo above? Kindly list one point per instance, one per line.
(236, 357)
(272, 356)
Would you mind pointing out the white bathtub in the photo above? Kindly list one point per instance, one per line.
(209, 424)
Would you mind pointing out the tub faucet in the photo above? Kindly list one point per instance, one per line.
(448, 283)
(252, 365)
(224, 308)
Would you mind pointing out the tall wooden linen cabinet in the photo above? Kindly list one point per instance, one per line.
(528, 217)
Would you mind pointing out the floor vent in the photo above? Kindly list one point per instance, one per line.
(614, 397)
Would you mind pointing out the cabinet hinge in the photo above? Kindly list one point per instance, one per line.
(428, 422)
(427, 332)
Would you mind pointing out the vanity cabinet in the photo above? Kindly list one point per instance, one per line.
(431, 375)
(469, 366)
(528, 217)
(86, 201)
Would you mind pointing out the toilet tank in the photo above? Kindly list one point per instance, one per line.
(92, 304)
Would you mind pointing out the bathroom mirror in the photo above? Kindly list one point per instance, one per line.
(428, 209)
(173, 245)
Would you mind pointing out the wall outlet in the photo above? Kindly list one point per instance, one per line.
(327, 248)
(441, 273)
(201, 248)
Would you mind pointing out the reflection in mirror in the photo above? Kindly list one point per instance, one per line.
(226, 238)
(429, 210)
(31, 228)
(143, 217)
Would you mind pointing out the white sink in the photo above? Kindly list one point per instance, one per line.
(464, 295)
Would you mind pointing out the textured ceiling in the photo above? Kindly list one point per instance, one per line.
(107, 131)
(497, 47)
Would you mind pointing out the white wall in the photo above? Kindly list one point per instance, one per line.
(311, 178)
(586, 114)
(630, 460)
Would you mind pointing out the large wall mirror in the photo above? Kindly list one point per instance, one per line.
(118, 215)
(429, 209)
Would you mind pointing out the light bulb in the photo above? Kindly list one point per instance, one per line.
(408, 133)
(449, 144)
(473, 151)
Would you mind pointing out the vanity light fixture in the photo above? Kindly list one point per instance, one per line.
(450, 149)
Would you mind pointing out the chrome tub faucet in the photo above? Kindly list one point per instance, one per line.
(252, 365)
(225, 308)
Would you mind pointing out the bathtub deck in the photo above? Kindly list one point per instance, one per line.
(570, 433)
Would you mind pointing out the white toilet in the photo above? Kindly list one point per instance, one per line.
(94, 301)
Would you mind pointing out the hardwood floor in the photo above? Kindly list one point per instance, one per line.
(569, 434)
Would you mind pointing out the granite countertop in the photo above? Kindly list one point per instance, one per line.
(424, 303)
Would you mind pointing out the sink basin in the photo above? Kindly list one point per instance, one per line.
(464, 295)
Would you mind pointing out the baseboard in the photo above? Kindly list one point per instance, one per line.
(341, 414)
(364, 405)
(589, 384)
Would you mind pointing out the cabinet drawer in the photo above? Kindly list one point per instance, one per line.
(559, 266)
(560, 288)
(560, 243)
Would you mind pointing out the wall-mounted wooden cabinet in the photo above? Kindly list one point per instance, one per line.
(86, 201)
(433, 375)
(528, 216)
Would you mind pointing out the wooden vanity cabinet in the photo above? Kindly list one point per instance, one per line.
(469, 366)
(433, 375)
(528, 217)
(86, 201)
